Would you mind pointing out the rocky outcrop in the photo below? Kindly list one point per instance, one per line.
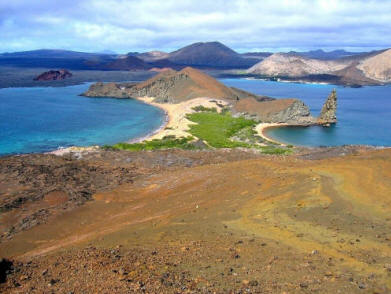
(171, 86)
(106, 90)
(329, 109)
(53, 75)
(292, 111)
(288, 111)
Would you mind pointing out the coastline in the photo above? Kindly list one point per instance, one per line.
(155, 132)
(262, 127)
(176, 124)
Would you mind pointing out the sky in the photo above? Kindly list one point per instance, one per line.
(244, 25)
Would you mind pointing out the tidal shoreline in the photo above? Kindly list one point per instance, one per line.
(262, 127)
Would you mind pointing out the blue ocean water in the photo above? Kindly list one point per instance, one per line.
(44, 119)
(364, 114)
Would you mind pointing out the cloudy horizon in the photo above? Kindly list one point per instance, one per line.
(244, 25)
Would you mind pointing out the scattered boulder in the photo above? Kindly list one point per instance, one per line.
(53, 75)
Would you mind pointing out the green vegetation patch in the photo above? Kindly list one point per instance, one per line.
(222, 130)
(201, 108)
(217, 129)
(165, 143)
(274, 150)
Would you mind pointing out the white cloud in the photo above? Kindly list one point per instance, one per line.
(120, 25)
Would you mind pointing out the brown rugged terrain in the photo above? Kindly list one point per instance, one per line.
(279, 110)
(171, 86)
(213, 221)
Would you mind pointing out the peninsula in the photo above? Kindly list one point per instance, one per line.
(179, 93)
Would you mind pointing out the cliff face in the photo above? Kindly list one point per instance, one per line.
(53, 75)
(291, 111)
(329, 109)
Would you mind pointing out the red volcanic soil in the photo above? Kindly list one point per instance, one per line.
(212, 221)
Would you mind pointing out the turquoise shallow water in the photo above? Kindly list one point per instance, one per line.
(364, 114)
(44, 119)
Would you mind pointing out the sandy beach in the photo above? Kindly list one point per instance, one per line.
(176, 123)
(261, 128)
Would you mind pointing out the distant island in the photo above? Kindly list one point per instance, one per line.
(53, 75)
(335, 67)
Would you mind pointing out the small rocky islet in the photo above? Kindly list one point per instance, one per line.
(53, 75)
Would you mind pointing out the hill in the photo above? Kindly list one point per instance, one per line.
(210, 54)
(127, 62)
(51, 53)
(361, 69)
(171, 86)
(377, 67)
(293, 65)
(54, 58)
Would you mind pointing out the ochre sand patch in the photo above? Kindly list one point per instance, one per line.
(330, 215)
